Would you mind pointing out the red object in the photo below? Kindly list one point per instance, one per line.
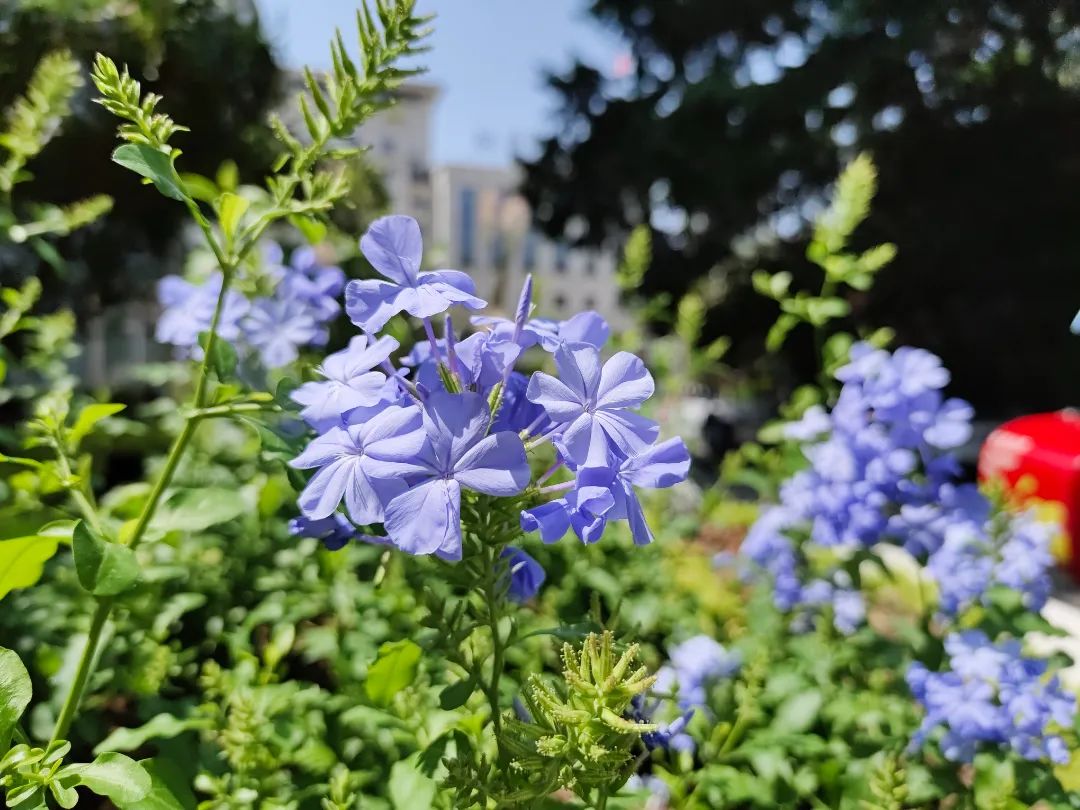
(1037, 458)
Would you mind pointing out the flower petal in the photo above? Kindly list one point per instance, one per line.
(426, 518)
(553, 395)
(635, 516)
(370, 303)
(322, 450)
(624, 382)
(364, 502)
(550, 519)
(579, 369)
(497, 465)
(629, 432)
(454, 423)
(585, 327)
(326, 488)
(662, 465)
(394, 247)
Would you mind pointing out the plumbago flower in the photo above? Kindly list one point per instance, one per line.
(270, 328)
(881, 469)
(400, 448)
(992, 696)
(394, 247)
(694, 666)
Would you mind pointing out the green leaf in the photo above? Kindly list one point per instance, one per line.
(779, 331)
(231, 208)
(393, 670)
(168, 789)
(995, 781)
(114, 776)
(15, 694)
(22, 561)
(313, 230)
(161, 727)
(430, 758)
(154, 165)
(22, 462)
(822, 310)
(456, 694)
(798, 713)
(194, 510)
(90, 416)
(222, 357)
(409, 788)
(103, 568)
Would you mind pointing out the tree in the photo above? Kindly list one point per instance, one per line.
(739, 114)
(208, 57)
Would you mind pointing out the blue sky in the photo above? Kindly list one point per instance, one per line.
(487, 58)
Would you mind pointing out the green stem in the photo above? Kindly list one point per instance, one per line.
(491, 586)
(738, 728)
(82, 674)
(105, 605)
(229, 410)
(601, 799)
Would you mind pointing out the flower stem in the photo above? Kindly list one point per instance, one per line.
(105, 604)
(553, 488)
(491, 596)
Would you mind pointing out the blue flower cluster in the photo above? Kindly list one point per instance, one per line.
(398, 445)
(978, 556)
(992, 695)
(881, 470)
(272, 328)
(694, 666)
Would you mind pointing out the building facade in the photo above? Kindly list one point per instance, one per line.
(483, 226)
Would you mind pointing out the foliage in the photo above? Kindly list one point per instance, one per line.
(178, 636)
(939, 94)
(212, 62)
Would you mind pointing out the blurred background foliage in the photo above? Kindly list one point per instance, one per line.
(736, 116)
(208, 57)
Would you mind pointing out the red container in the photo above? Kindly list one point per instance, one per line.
(1037, 459)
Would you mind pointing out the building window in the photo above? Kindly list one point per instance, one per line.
(562, 255)
(590, 302)
(590, 263)
(467, 237)
(528, 258)
(560, 303)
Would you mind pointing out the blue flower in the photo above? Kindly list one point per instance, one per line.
(278, 327)
(188, 309)
(350, 382)
(365, 464)
(394, 247)
(608, 492)
(316, 284)
(587, 327)
(976, 556)
(591, 403)
(516, 412)
(669, 735)
(458, 453)
(991, 696)
(697, 663)
(880, 470)
(334, 531)
(526, 574)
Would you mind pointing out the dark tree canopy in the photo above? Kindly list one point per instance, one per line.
(739, 114)
(207, 58)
